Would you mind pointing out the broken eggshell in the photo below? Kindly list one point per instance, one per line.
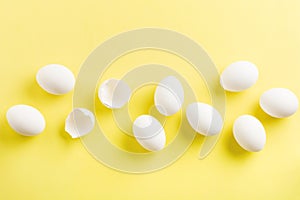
(79, 122)
(26, 120)
(55, 79)
(204, 119)
(149, 133)
(114, 93)
(169, 96)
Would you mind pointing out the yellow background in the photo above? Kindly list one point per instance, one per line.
(34, 33)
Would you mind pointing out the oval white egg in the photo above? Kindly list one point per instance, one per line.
(169, 96)
(249, 133)
(279, 102)
(55, 79)
(239, 76)
(25, 120)
(114, 93)
(204, 119)
(149, 133)
(79, 122)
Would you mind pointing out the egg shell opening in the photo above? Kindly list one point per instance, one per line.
(79, 122)
(114, 93)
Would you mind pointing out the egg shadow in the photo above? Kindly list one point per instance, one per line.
(234, 148)
(11, 141)
(267, 120)
(36, 93)
(64, 135)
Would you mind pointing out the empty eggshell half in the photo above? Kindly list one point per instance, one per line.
(279, 102)
(239, 76)
(169, 96)
(249, 133)
(204, 119)
(114, 93)
(79, 122)
(149, 133)
(55, 79)
(25, 120)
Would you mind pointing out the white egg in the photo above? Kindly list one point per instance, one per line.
(279, 102)
(79, 122)
(114, 93)
(239, 76)
(204, 119)
(25, 120)
(249, 133)
(169, 96)
(55, 79)
(149, 133)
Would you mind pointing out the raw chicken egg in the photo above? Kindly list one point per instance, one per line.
(55, 79)
(239, 76)
(26, 120)
(249, 133)
(169, 96)
(204, 119)
(279, 102)
(149, 133)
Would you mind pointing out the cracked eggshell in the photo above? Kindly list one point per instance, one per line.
(279, 102)
(239, 76)
(55, 79)
(79, 122)
(25, 120)
(249, 133)
(114, 93)
(149, 133)
(169, 96)
(204, 119)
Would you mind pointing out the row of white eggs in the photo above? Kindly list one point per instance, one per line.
(169, 96)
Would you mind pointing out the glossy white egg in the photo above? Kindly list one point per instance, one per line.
(249, 133)
(239, 76)
(204, 119)
(79, 122)
(114, 93)
(55, 79)
(25, 120)
(279, 102)
(169, 96)
(149, 133)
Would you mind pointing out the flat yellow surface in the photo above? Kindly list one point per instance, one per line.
(34, 33)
